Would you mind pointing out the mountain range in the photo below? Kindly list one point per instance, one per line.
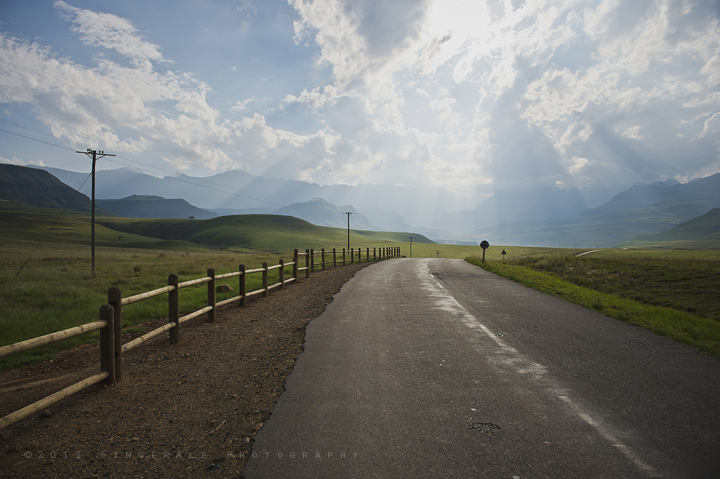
(235, 191)
(638, 211)
(539, 217)
(151, 206)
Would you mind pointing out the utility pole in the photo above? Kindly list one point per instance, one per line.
(411, 246)
(348, 213)
(94, 154)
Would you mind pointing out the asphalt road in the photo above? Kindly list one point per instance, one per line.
(436, 368)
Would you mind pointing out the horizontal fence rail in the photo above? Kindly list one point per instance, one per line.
(110, 320)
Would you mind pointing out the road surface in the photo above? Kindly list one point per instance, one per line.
(436, 368)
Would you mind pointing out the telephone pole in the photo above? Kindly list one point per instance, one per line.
(348, 213)
(94, 154)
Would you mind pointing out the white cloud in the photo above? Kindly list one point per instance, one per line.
(136, 109)
(434, 92)
(111, 32)
(487, 87)
(242, 105)
(20, 162)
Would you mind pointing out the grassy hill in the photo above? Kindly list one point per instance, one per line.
(29, 223)
(272, 233)
(702, 232)
(39, 188)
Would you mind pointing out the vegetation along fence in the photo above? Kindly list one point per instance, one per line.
(110, 320)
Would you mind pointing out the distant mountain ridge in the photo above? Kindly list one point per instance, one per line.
(536, 217)
(668, 182)
(239, 190)
(526, 205)
(638, 211)
(151, 206)
(321, 212)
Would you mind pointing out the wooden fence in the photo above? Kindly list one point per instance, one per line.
(110, 319)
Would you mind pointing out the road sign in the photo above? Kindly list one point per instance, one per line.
(484, 245)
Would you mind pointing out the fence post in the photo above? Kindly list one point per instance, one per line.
(323, 258)
(307, 263)
(107, 343)
(352, 255)
(174, 309)
(211, 294)
(266, 293)
(243, 286)
(115, 300)
(334, 258)
(343, 256)
(295, 265)
(312, 260)
(282, 274)
(367, 255)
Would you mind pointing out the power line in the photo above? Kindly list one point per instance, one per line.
(35, 139)
(95, 155)
(196, 184)
(25, 127)
(148, 171)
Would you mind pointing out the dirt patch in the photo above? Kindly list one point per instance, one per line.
(179, 410)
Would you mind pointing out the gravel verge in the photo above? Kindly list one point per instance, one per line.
(189, 410)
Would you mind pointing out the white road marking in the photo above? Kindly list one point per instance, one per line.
(521, 364)
(627, 452)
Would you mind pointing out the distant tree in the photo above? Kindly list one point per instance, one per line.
(191, 217)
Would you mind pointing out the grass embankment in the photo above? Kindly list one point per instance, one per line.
(673, 293)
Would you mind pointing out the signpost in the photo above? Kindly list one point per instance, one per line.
(484, 245)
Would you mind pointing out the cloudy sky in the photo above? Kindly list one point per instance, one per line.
(468, 94)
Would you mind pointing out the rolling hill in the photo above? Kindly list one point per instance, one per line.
(273, 233)
(22, 222)
(702, 232)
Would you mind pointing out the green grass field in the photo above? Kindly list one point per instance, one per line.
(56, 290)
(673, 293)
(51, 288)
